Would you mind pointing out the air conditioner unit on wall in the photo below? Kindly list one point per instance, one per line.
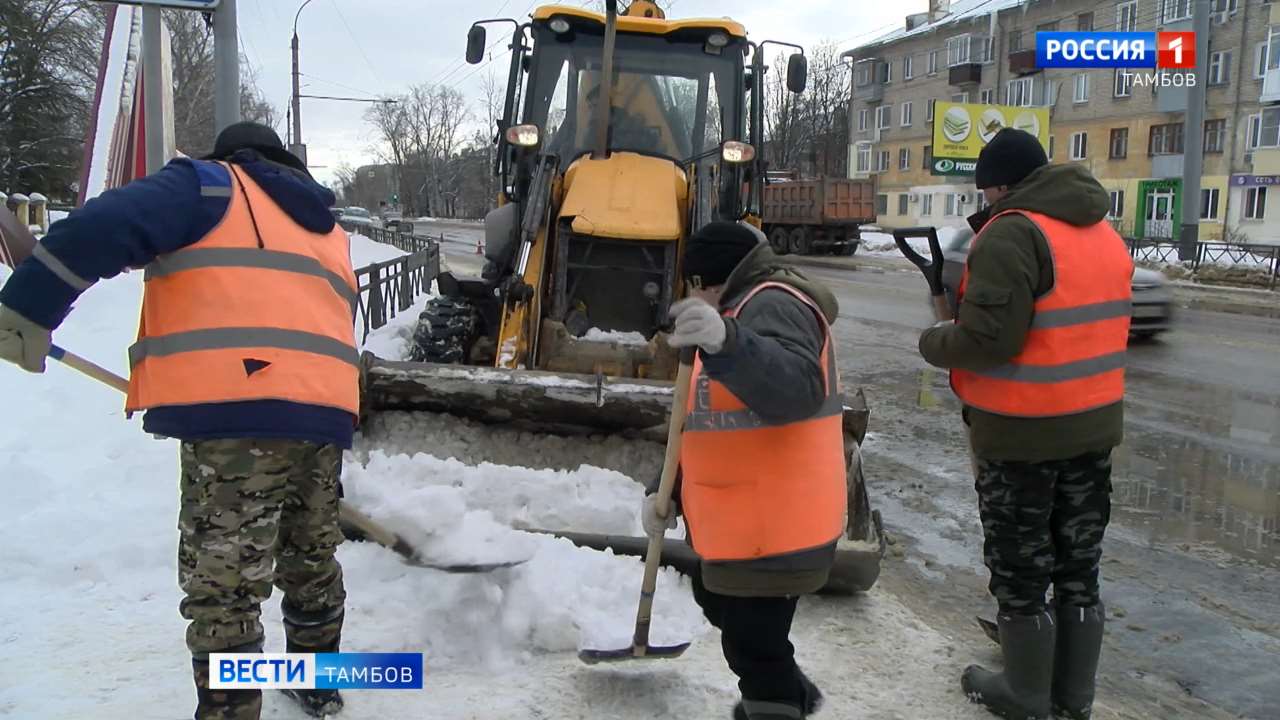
(913, 197)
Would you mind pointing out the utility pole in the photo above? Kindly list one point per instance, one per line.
(153, 88)
(1193, 135)
(296, 146)
(226, 63)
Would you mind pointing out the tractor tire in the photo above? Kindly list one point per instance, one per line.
(799, 241)
(778, 240)
(446, 331)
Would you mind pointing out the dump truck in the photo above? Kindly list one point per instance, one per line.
(817, 216)
(621, 135)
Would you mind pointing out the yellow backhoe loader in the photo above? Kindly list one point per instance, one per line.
(621, 135)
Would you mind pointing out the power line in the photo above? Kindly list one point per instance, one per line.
(338, 84)
(359, 47)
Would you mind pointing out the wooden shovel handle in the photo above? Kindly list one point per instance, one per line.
(93, 370)
(670, 465)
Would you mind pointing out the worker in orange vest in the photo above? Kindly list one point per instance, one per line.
(763, 488)
(1037, 357)
(246, 354)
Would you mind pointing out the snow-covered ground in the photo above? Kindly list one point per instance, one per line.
(89, 607)
(881, 244)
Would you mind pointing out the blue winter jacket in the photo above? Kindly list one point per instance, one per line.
(158, 214)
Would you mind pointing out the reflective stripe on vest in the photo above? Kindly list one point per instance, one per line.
(1073, 358)
(771, 496)
(258, 309)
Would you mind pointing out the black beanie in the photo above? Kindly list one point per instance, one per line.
(714, 251)
(1010, 157)
(253, 136)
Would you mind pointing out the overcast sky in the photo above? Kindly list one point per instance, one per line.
(370, 48)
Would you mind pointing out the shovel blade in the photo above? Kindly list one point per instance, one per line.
(990, 629)
(651, 652)
(464, 568)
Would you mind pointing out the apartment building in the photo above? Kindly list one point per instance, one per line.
(1129, 134)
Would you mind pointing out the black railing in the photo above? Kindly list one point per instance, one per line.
(391, 287)
(1264, 258)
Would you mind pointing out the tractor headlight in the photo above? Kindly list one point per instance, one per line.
(559, 25)
(718, 40)
(525, 136)
(737, 153)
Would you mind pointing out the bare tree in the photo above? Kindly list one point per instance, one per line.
(809, 132)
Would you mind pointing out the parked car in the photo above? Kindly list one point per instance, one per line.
(392, 219)
(1152, 295)
(356, 216)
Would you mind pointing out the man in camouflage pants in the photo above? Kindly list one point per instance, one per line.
(247, 355)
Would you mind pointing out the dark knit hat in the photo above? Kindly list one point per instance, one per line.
(254, 136)
(1010, 157)
(714, 251)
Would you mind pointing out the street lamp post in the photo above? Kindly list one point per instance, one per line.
(296, 145)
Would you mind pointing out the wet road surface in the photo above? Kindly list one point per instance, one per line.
(1192, 561)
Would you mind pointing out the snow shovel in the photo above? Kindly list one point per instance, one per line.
(931, 267)
(640, 648)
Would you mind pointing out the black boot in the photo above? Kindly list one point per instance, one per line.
(314, 632)
(1075, 668)
(812, 702)
(225, 704)
(1022, 691)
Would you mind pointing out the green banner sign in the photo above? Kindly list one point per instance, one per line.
(947, 166)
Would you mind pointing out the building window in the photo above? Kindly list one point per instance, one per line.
(987, 97)
(862, 120)
(1215, 133)
(1084, 22)
(1079, 145)
(882, 204)
(951, 205)
(1123, 84)
(1255, 203)
(1082, 88)
(1220, 68)
(926, 204)
(1051, 26)
(1259, 61)
(1226, 6)
(884, 115)
(1119, 143)
(864, 73)
(927, 152)
(904, 159)
(864, 158)
(928, 111)
(1019, 92)
(1165, 139)
(1117, 205)
(906, 114)
(903, 199)
(1015, 41)
(957, 50)
(1051, 146)
(1175, 10)
(882, 161)
(884, 73)
(960, 97)
(908, 71)
(933, 62)
(1209, 203)
(1269, 128)
(1127, 16)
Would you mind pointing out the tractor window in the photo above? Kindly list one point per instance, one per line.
(670, 99)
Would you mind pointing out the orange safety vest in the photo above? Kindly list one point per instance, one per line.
(258, 309)
(1074, 355)
(751, 489)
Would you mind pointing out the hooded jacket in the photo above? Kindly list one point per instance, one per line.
(164, 212)
(1009, 269)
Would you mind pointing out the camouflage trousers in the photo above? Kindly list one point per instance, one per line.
(1043, 523)
(254, 512)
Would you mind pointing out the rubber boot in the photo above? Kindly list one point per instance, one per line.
(812, 703)
(1075, 668)
(1023, 690)
(314, 632)
(225, 704)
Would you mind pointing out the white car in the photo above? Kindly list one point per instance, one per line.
(356, 216)
(1152, 296)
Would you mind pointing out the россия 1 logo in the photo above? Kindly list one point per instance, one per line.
(1165, 50)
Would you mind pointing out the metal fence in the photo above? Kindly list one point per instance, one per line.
(1262, 258)
(389, 288)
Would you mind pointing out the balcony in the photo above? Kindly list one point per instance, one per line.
(1166, 166)
(1172, 99)
(872, 92)
(966, 74)
(1023, 62)
(1271, 86)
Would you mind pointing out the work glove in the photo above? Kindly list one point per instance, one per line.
(649, 519)
(697, 323)
(23, 342)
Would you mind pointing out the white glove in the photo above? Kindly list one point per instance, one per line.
(697, 323)
(23, 342)
(654, 525)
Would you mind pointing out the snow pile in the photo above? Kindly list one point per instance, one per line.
(882, 244)
(615, 336)
(365, 252)
(394, 341)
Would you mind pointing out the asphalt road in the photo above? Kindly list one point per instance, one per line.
(1192, 563)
